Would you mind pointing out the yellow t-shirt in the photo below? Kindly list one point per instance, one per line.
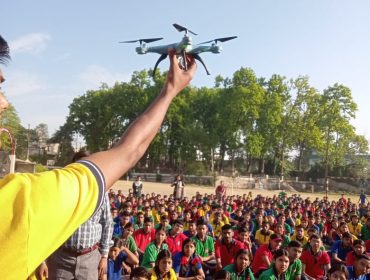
(217, 228)
(263, 239)
(171, 277)
(355, 229)
(40, 211)
(303, 242)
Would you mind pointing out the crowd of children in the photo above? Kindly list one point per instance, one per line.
(239, 237)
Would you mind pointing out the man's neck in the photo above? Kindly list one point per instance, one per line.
(202, 238)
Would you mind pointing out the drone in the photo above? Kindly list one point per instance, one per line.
(182, 49)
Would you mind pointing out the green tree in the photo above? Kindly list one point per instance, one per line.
(338, 108)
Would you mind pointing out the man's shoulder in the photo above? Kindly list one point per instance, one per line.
(238, 243)
(267, 274)
(229, 267)
(297, 262)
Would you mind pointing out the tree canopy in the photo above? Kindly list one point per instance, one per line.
(249, 123)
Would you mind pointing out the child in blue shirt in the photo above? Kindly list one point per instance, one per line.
(118, 256)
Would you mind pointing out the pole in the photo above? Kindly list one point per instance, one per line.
(28, 143)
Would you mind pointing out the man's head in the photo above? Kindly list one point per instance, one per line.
(140, 273)
(202, 228)
(359, 246)
(354, 219)
(315, 243)
(227, 233)
(177, 226)
(125, 218)
(299, 231)
(362, 264)
(295, 250)
(4, 58)
(147, 224)
(4, 51)
(275, 241)
(265, 226)
(347, 239)
(164, 221)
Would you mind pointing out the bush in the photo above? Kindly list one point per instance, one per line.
(197, 168)
(40, 168)
(158, 177)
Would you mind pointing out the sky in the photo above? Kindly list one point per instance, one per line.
(61, 49)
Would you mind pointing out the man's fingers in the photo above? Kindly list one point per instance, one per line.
(173, 58)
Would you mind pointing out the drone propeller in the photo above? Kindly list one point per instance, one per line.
(182, 28)
(143, 40)
(220, 40)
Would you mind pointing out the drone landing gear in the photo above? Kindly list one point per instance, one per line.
(182, 62)
(162, 57)
(197, 57)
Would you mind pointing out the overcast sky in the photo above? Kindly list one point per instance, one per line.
(61, 49)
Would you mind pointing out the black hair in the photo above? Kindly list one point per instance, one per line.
(243, 229)
(161, 229)
(241, 252)
(117, 243)
(298, 226)
(126, 214)
(339, 267)
(164, 217)
(201, 222)
(222, 275)
(140, 272)
(186, 241)
(358, 242)
(79, 155)
(342, 223)
(315, 236)
(281, 252)
(295, 244)
(362, 256)
(128, 225)
(147, 220)
(226, 227)
(177, 222)
(164, 254)
(4, 51)
(192, 221)
(346, 235)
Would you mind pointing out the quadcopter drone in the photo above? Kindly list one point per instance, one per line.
(183, 48)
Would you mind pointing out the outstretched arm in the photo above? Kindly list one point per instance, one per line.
(136, 139)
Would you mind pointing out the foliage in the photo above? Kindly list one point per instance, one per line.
(40, 168)
(244, 123)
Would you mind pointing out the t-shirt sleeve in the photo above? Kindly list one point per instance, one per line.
(304, 258)
(326, 258)
(40, 211)
(177, 262)
(152, 254)
(298, 272)
(334, 248)
(211, 245)
(217, 250)
(122, 257)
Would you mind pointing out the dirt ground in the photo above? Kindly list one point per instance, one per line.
(190, 190)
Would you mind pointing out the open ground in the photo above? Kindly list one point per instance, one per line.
(190, 190)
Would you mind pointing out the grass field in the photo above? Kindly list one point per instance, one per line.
(190, 190)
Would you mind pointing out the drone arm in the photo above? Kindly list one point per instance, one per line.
(197, 57)
(200, 49)
(162, 57)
